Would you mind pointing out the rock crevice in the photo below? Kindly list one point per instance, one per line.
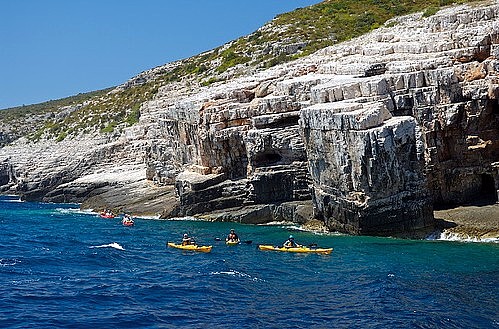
(371, 134)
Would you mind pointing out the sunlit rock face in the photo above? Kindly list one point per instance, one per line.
(376, 130)
(368, 136)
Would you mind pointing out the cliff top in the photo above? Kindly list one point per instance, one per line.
(288, 36)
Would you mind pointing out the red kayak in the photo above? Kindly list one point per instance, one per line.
(127, 222)
(107, 215)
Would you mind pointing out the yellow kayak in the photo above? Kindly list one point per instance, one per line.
(232, 242)
(192, 247)
(302, 249)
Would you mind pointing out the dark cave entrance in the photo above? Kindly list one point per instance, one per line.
(488, 191)
(266, 159)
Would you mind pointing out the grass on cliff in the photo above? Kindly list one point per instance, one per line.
(103, 114)
(52, 106)
(334, 21)
(306, 30)
(287, 37)
(23, 120)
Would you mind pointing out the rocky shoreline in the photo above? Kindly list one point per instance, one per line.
(477, 223)
(469, 223)
(366, 136)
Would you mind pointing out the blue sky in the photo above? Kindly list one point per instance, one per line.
(51, 49)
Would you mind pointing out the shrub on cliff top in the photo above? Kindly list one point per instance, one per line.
(312, 28)
(342, 20)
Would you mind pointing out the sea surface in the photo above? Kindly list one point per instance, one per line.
(64, 268)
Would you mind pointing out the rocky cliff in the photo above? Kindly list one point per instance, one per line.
(372, 134)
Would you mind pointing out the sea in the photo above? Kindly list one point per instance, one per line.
(61, 267)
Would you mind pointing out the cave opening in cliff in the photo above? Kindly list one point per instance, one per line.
(283, 122)
(266, 159)
(494, 107)
(488, 191)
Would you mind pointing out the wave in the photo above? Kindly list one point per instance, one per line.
(328, 233)
(237, 274)
(156, 217)
(74, 211)
(11, 198)
(195, 219)
(450, 236)
(114, 245)
(8, 262)
(299, 228)
(281, 223)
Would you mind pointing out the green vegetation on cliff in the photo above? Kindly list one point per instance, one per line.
(305, 30)
(18, 112)
(23, 120)
(286, 37)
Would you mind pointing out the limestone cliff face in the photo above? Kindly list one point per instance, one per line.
(378, 129)
(374, 132)
(56, 171)
(412, 113)
(228, 146)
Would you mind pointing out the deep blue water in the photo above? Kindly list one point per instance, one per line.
(56, 272)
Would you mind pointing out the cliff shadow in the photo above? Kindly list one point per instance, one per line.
(442, 224)
(484, 193)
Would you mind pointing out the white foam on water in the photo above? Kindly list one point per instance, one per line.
(74, 211)
(13, 200)
(236, 273)
(293, 227)
(296, 228)
(24, 282)
(148, 217)
(282, 223)
(183, 219)
(450, 236)
(114, 245)
(329, 233)
(8, 262)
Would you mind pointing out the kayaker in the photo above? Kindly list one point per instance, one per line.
(290, 243)
(186, 240)
(127, 220)
(232, 236)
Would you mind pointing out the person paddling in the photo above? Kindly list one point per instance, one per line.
(232, 237)
(290, 243)
(127, 220)
(186, 240)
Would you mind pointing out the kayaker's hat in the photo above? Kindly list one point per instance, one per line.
(231, 230)
(291, 237)
(185, 235)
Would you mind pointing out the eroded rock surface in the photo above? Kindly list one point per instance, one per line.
(378, 129)
(371, 134)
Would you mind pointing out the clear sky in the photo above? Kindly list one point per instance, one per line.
(51, 49)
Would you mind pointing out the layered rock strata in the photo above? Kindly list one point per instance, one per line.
(71, 170)
(381, 128)
(371, 134)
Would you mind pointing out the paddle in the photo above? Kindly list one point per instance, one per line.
(245, 242)
(312, 245)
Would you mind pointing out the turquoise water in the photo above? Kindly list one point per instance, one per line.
(61, 268)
